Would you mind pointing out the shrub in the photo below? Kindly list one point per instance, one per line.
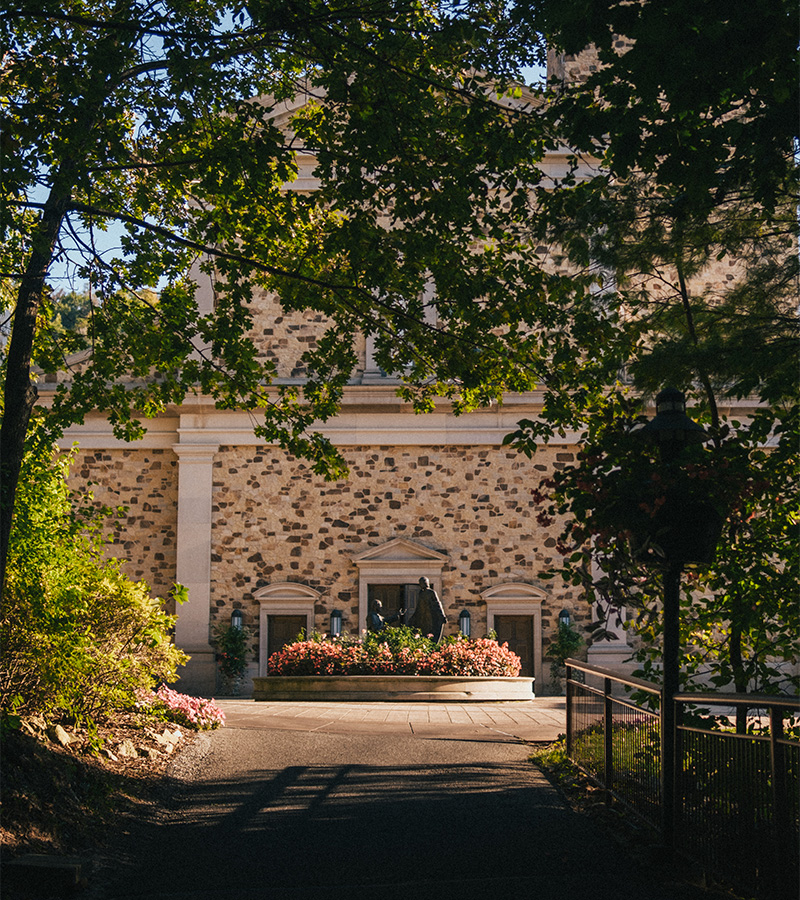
(566, 644)
(394, 651)
(192, 712)
(79, 638)
(231, 644)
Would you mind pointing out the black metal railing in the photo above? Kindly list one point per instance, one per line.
(736, 795)
(735, 798)
(615, 740)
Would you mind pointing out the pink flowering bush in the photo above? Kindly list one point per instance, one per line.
(471, 657)
(192, 712)
(395, 651)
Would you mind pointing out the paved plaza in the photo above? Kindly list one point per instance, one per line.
(540, 720)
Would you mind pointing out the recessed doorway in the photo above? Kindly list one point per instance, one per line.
(286, 609)
(517, 632)
(283, 630)
(393, 598)
(520, 605)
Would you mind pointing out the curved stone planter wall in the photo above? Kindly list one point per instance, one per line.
(411, 688)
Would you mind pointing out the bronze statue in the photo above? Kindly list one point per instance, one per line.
(428, 617)
(376, 620)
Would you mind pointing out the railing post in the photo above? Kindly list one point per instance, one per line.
(570, 697)
(672, 598)
(780, 805)
(608, 742)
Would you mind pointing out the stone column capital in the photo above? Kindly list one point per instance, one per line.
(197, 453)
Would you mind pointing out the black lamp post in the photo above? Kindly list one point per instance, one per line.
(237, 619)
(465, 622)
(686, 529)
(336, 623)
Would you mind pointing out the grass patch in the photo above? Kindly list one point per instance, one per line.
(634, 837)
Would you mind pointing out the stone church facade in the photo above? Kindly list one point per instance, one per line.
(245, 526)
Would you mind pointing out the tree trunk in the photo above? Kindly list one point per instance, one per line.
(20, 392)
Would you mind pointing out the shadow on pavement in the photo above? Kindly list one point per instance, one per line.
(463, 828)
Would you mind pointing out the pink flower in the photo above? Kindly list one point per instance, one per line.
(460, 656)
(193, 712)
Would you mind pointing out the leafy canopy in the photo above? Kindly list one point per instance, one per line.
(739, 617)
(434, 228)
(179, 126)
(701, 97)
(163, 120)
(691, 112)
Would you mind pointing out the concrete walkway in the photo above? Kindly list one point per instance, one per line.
(540, 720)
(368, 801)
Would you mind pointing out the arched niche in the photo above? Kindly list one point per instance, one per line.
(283, 599)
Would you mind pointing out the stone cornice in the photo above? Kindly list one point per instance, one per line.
(371, 415)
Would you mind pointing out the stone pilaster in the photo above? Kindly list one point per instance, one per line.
(195, 463)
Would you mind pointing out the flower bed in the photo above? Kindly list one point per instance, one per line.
(395, 651)
(396, 664)
(191, 712)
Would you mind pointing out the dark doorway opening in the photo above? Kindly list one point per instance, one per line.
(517, 632)
(393, 598)
(283, 630)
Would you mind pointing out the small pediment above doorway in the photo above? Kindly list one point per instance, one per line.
(399, 563)
(399, 550)
(513, 592)
(286, 592)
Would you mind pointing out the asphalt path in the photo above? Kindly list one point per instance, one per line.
(274, 813)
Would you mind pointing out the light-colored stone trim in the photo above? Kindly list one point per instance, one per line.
(193, 563)
(95, 433)
(399, 550)
(614, 652)
(282, 599)
(371, 415)
(397, 561)
(205, 302)
(516, 599)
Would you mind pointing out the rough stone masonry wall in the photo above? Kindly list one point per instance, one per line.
(146, 482)
(574, 68)
(275, 521)
(283, 337)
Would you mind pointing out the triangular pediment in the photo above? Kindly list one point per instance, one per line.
(400, 550)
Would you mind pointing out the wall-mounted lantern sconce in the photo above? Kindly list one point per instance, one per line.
(237, 619)
(564, 618)
(464, 622)
(336, 623)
